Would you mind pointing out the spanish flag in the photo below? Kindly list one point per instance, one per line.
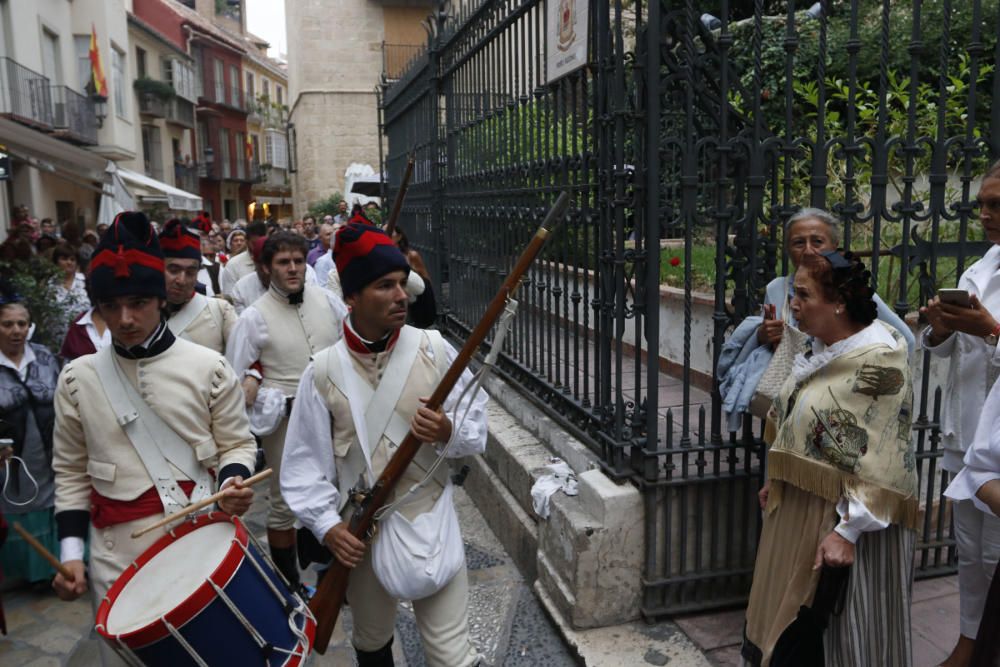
(249, 148)
(97, 80)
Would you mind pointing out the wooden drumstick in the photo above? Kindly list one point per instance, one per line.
(201, 504)
(43, 552)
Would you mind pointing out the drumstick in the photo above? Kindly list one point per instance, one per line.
(43, 552)
(201, 504)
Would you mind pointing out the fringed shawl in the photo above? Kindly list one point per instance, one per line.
(844, 418)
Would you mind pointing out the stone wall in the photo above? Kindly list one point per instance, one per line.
(334, 63)
(332, 130)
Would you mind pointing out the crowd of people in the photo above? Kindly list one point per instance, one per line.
(232, 346)
(827, 365)
(181, 348)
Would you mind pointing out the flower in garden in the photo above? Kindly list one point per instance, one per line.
(675, 261)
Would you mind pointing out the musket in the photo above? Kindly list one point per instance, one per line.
(397, 205)
(329, 597)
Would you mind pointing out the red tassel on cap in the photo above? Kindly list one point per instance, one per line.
(121, 264)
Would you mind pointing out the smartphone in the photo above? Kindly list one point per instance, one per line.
(954, 297)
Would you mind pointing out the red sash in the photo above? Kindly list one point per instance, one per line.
(105, 512)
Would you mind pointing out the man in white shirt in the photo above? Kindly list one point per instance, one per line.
(281, 331)
(193, 316)
(325, 454)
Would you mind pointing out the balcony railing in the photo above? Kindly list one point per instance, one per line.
(152, 105)
(180, 112)
(186, 177)
(396, 59)
(73, 116)
(25, 95)
(210, 170)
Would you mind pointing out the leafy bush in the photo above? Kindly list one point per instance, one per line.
(35, 281)
(326, 206)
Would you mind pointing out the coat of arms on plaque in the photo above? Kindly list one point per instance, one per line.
(567, 21)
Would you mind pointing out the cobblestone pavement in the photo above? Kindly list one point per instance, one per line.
(508, 625)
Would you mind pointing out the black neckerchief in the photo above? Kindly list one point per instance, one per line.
(159, 342)
(293, 298)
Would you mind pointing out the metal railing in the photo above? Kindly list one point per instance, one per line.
(25, 95)
(699, 130)
(210, 170)
(180, 112)
(73, 115)
(397, 58)
(186, 176)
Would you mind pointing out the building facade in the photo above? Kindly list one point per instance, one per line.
(339, 51)
(57, 137)
(165, 97)
(265, 85)
(225, 174)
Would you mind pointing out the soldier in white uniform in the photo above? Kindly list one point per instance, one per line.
(282, 330)
(193, 316)
(325, 455)
(109, 481)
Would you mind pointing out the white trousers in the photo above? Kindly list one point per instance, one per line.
(442, 618)
(279, 514)
(978, 536)
(112, 549)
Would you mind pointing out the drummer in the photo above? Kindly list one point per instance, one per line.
(185, 426)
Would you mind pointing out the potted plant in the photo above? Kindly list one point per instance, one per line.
(152, 87)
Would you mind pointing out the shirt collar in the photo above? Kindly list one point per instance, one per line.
(86, 318)
(294, 298)
(161, 339)
(362, 346)
(26, 359)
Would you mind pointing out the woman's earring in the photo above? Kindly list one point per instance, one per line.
(837, 311)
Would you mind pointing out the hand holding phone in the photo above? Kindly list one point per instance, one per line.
(955, 297)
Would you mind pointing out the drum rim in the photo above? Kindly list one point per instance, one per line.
(192, 605)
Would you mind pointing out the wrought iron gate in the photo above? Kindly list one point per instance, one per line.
(710, 127)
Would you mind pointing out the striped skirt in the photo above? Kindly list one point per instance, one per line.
(874, 627)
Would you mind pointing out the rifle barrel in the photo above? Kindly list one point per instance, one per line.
(397, 204)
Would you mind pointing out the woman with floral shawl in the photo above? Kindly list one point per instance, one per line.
(841, 483)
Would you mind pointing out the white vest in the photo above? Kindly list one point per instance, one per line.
(295, 334)
(421, 381)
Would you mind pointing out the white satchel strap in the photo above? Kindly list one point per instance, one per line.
(154, 441)
(353, 468)
(183, 318)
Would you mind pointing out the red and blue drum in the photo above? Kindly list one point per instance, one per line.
(205, 594)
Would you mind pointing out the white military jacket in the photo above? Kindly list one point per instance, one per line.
(190, 387)
(205, 321)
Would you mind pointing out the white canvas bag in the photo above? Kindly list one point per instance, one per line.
(415, 559)
(411, 560)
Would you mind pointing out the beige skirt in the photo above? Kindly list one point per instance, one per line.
(874, 626)
(783, 578)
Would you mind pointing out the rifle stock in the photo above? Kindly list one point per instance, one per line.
(330, 592)
(397, 205)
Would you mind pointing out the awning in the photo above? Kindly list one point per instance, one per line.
(52, 155)
(150, 189)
